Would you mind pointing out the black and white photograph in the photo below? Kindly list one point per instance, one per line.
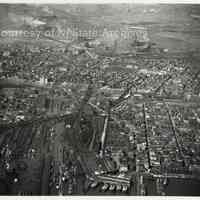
(99, 99)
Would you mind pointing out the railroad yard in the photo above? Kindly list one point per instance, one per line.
(79, 120)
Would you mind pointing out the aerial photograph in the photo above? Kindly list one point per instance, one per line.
(99, 99)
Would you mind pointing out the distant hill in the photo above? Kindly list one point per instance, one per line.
(169, 26)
